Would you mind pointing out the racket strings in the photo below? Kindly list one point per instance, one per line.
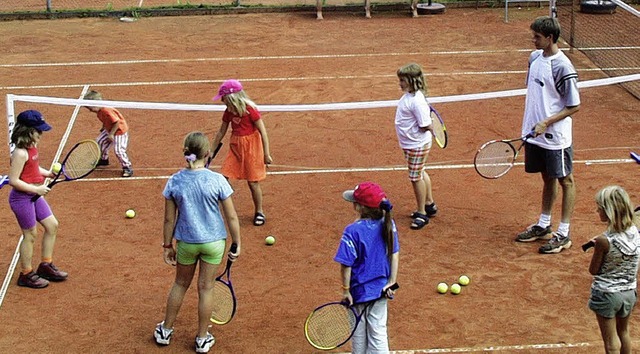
(223, 303)
(330, 326)
(82, 160)
(495, 159)
(439, 130)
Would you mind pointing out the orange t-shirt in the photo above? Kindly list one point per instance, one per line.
(111, 116)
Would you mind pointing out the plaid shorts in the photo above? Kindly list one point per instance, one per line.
(416, 158)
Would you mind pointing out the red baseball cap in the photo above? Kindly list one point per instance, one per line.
(368, 194)
(227, 87)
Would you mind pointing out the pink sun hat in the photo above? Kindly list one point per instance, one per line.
(227, 87)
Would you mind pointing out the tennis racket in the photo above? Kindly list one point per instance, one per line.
(439, 129)
(79, 163)
(215, 152)
(4, 179)
(496, 157)
(331, 325)
(225, 299)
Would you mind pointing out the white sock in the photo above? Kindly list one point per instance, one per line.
(544, 221)
(563, 229)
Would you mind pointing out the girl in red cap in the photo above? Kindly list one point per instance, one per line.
(27, 179)
(368, 254)
(249, 144)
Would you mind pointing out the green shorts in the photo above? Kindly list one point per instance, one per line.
(211, 252)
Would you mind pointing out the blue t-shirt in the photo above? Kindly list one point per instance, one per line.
(197, 194)
(362, 248)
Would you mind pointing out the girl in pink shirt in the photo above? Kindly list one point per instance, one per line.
(249, 144)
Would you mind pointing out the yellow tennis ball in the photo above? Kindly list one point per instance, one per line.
(130, 213)
(464, 280)
(442, 288)
(270, 240)
(56, 167)
(455, 289)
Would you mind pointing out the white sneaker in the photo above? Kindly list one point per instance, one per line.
(162, 335)
(204, 344)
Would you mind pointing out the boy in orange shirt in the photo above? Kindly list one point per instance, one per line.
(115, 131)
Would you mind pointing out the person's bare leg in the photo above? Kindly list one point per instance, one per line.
(420, 192)
(568, 197)
(256, 195)
(319, 10)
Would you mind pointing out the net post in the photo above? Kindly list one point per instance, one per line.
(11, 121)
(574, 3)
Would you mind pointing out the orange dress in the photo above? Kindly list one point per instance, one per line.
(246, 155)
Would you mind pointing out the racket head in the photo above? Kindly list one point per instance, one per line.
(81, 160)
(330, 325)
(494, 159)
(224, 307)
(439, 129)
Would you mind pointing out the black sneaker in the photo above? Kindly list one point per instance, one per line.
(556, 244)
(534, 233)
(103, 162)
(51, 272)
(32, 280)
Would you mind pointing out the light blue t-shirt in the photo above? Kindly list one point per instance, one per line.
(363, 249)
(197, 194)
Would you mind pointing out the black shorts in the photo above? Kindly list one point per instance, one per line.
(553, 163)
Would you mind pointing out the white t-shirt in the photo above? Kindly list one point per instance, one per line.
(413, 113)
(552, 84)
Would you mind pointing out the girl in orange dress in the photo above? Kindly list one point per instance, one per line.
(249, 144)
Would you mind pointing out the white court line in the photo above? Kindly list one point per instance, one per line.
(293, 57)
(308, 171)
(307, 78)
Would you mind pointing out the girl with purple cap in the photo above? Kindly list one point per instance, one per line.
(368, 255)
(27, 179)
(249, 144)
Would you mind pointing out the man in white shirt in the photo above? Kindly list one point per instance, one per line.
(552, 96)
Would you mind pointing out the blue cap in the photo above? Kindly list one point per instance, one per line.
(33, 119)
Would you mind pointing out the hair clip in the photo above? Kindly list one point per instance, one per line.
(386, 205)
(190, 157)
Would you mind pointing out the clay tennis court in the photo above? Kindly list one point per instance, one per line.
(518, 300)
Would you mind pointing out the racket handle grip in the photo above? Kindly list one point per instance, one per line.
(395, 286)
(233, 248)
(586, 246)
(35, 197)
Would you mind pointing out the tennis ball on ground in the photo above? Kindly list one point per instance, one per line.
(270, 240)
(442, 288)
(455, 289)
(130, 213)
(56, 167)
(464, 280)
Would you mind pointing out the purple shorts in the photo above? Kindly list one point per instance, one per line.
(27, 212)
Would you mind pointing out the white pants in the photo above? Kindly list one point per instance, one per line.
(370, 336)
(120, 143)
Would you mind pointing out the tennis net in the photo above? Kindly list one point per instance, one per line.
(607, 33)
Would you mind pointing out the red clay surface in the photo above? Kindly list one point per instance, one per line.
(118, 282)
